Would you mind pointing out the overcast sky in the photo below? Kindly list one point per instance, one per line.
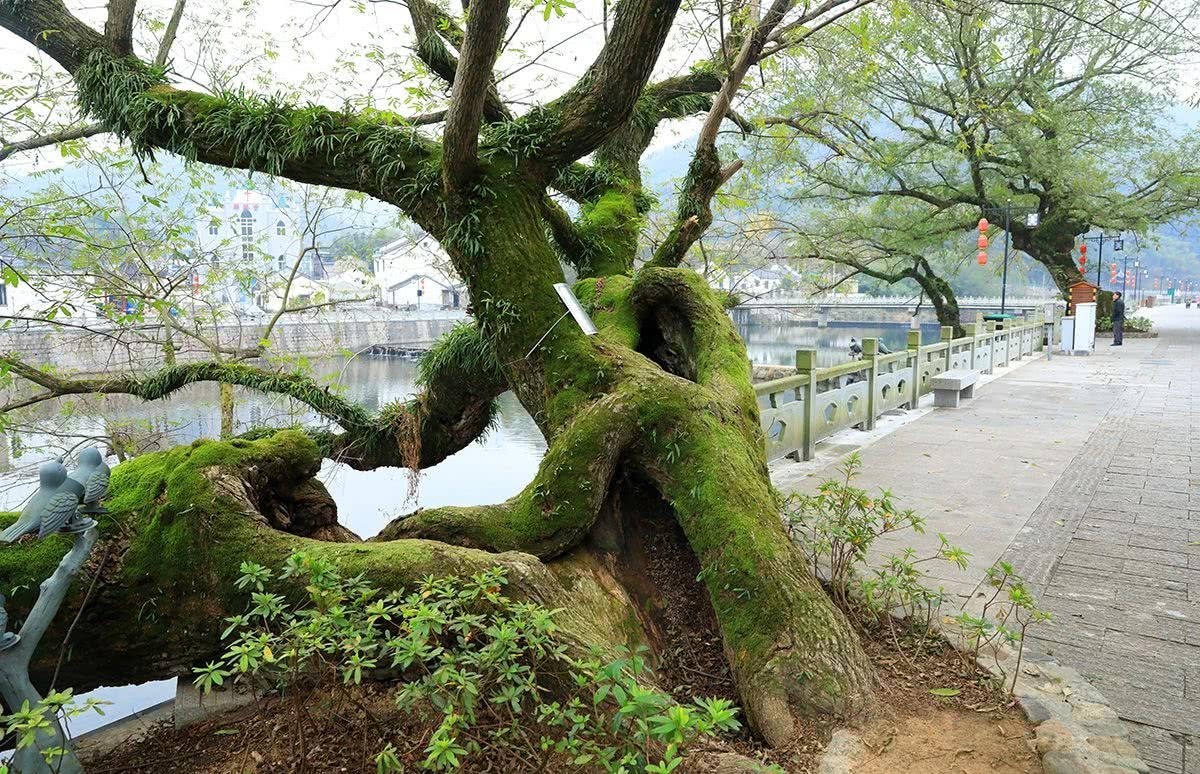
(361, 52)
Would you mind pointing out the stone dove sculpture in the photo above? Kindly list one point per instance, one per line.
(52, 505)
(93, 474)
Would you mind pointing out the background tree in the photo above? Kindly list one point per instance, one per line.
(654, 414)
(105, 254)
(914, 119)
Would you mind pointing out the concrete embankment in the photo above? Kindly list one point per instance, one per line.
(97, 349)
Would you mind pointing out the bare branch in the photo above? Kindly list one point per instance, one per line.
(45, 140)
(168, 38)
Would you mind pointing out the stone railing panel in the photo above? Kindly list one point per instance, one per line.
(800, 410)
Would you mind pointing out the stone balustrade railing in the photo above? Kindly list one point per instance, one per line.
(777, 297)
(800, 410)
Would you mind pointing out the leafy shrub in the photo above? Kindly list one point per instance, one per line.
(1136, 324)
(485, 672)
(21, 728)
(1005, 617)
(838, 525)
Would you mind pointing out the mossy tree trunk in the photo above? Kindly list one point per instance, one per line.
(1052, 243)
(661, 395)
(227, 406)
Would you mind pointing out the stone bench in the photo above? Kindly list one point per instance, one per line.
(950, 386)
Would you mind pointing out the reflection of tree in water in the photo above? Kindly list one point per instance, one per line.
(50, 428)
(776, 344)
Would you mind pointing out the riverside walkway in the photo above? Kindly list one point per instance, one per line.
(1085, 474)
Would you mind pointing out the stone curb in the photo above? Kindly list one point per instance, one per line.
(1076, 731)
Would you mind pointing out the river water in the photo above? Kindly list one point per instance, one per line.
(488, 471)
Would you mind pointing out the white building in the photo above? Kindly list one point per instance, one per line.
(756, 280)
(251, 232)
(34, 296)
(411, 273)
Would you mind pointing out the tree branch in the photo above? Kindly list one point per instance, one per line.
(473, 77)
(604, 98)
(33, 143)
(168, 38)
(118, 27)
(430, 23)
(705, 174)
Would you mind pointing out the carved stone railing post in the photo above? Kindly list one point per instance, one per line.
(972, 330)
(914, 350)
(948, 337)
(806, 363)
(870, 352)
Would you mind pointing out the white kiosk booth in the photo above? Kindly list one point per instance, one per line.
(1079, 331)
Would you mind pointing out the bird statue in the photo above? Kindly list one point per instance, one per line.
(52, 505)
(93, 474)
(7, 638)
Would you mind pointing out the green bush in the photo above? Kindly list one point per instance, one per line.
(485, 673)
(1005, 617)
(1135, 324)
(836, 528)
(21, 728)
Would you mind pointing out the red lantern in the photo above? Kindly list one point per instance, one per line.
(982, 242)
(982, 258)
(983, 225)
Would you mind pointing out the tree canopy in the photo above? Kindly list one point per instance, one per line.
(904, 127)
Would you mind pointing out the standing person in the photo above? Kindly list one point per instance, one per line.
(1118, 319)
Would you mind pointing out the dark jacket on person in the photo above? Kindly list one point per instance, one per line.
(1118, 309)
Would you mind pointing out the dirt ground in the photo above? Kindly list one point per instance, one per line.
(975, 731)
(941, 742)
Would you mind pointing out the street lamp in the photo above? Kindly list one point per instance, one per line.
(1118, 244)
(1031, 221)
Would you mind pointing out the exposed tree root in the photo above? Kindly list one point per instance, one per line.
(554, 512)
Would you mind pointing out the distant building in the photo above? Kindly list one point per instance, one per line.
(755, 280)
(31, 298)
(410, 273)
(255, 232)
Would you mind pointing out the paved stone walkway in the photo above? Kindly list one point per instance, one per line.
(1085, 473)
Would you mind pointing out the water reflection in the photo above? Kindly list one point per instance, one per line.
(776, 344)
(490, 470)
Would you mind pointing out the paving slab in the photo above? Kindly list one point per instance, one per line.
(1084, 472)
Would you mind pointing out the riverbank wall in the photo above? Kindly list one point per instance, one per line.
(98, 349)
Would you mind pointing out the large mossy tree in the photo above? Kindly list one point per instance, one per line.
(654, 415)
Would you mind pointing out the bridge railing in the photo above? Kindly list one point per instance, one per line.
(800, 410)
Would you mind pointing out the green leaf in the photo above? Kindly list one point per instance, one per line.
(945, 692)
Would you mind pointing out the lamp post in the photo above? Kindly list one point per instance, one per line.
(1118, 244)
(1007, 211)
